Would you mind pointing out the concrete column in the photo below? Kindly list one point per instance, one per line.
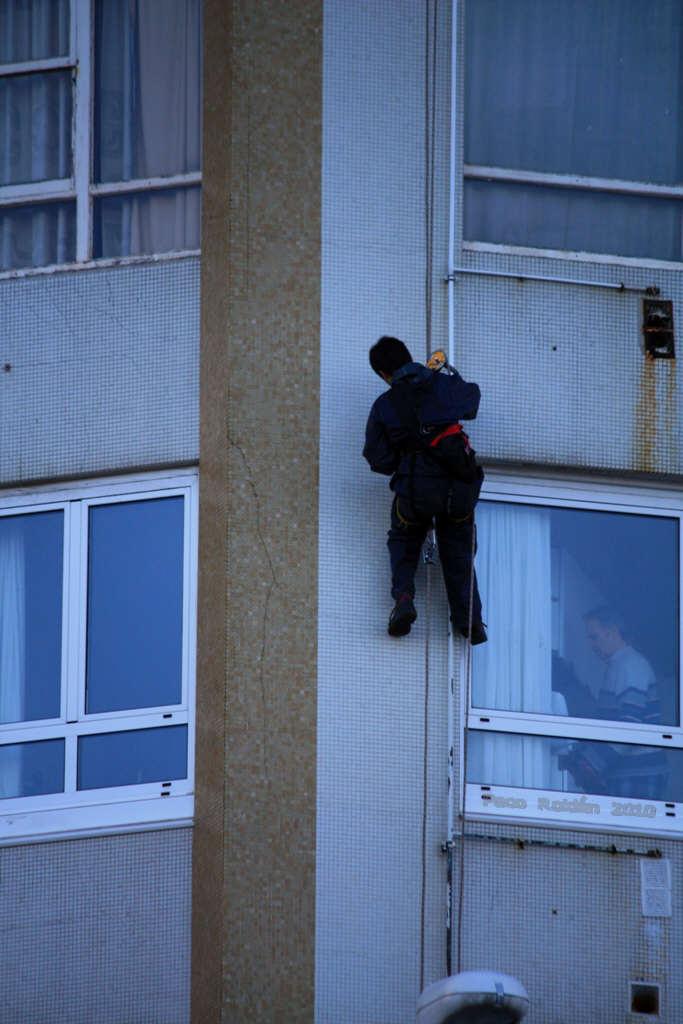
(254, 839)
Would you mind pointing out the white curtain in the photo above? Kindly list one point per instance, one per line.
(35, 122)
(572, 88)
(149, 125)
(12, 646)
(513, 671)
(162, 221)
(33, 29)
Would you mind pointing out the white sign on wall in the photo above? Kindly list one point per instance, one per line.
(655, 887)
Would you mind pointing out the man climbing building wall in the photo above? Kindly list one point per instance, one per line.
(413, 434)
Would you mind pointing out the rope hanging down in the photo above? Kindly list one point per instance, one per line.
(463, 781)
(430, 38)
(430, 95)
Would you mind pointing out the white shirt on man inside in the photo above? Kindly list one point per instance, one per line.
(628, 670)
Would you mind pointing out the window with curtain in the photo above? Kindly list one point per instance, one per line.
(96, 653)
(574, 125)
(100, 110)
(578, 689)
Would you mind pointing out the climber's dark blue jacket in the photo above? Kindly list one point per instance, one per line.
(440, 400)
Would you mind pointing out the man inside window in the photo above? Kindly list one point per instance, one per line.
(404, 424)
(627, 692)
(628, 687)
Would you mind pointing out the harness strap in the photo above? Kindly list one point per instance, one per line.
(454, 428)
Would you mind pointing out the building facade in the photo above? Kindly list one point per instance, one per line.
(228, 795)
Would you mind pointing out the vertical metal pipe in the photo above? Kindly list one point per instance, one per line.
(81, 51)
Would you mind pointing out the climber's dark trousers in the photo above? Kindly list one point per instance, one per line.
(410, 522)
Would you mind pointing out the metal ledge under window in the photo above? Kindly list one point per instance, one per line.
(615, 286)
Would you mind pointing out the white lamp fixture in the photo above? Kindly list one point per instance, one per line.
(473, 997)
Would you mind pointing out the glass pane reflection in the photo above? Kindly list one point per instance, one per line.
(135, 605)
(31, 769)
(30, 616)
(131, 758)
(575, 766)
(583, 610)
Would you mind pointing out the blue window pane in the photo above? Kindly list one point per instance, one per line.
(583, 609)
(131, 758)
(36, 109)
(571, 88)
(135, 605)
(573, 220)
(37, 235)
(575, 766)
(30, 615)
(147, 77)
(33, 29)
(161, 220)
(31, 769)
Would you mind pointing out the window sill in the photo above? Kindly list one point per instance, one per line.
(78, 822)
(122, 261)
(552, 808)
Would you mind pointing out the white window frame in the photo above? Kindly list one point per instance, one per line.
(123, 808)
(80, 188)
(569, 809)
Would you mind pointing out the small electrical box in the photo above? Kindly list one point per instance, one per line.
(658, 329)
(645, 998)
